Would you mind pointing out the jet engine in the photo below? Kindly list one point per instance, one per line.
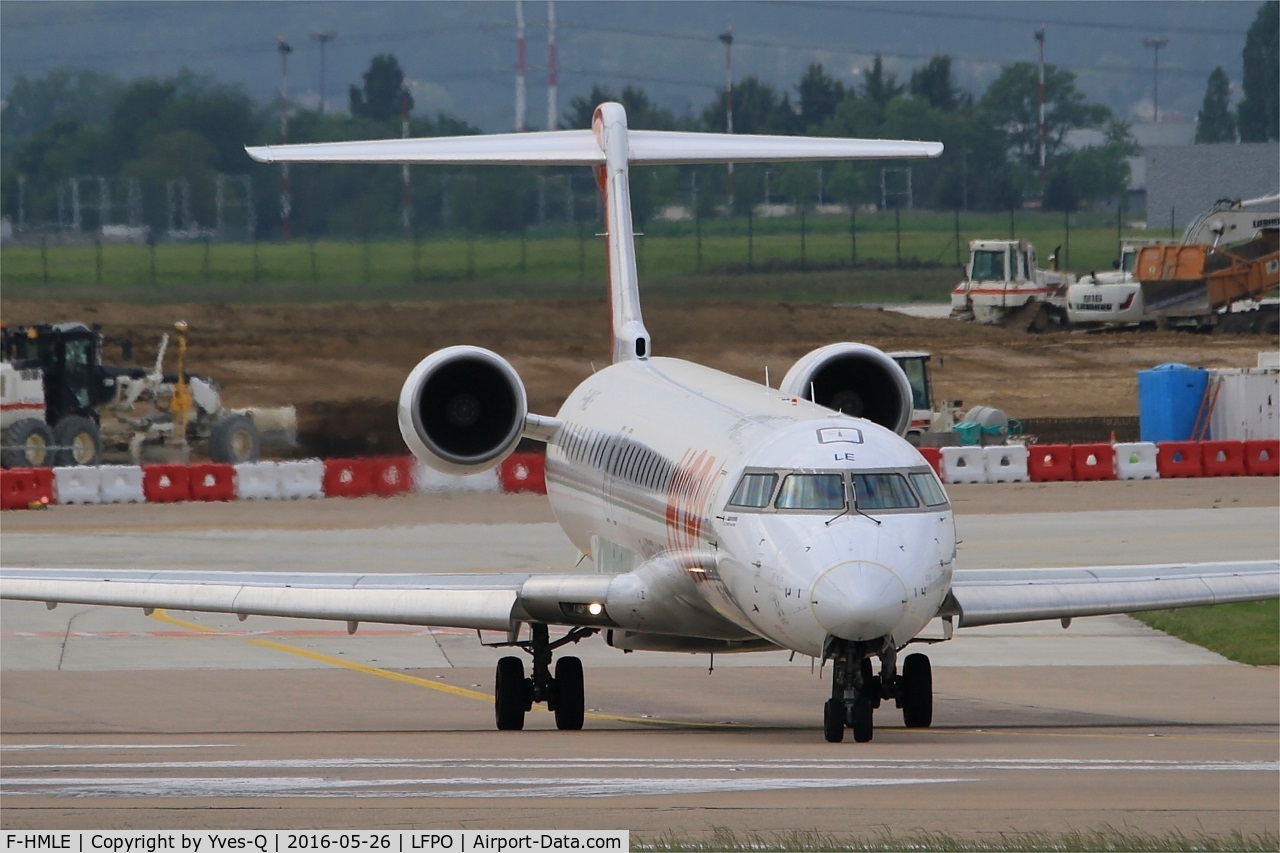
(462, 410)
(856, 379)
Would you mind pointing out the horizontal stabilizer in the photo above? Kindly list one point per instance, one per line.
(580, 147)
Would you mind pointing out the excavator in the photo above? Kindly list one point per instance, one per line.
(1216, 278)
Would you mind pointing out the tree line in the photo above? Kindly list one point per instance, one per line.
(189, 129)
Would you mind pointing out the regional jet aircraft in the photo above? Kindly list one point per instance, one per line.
(719, 514)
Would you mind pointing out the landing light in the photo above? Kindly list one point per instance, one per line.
(595, 608)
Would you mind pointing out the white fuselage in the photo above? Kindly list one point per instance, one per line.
(644, 474)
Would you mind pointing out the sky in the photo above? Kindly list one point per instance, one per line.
(460, 56)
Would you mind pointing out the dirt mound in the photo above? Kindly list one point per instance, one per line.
(343, 364)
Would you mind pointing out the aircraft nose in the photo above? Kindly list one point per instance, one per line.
(859, 600)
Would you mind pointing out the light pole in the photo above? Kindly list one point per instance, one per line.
(286, 206)
(324, 37)
(1040, 41)
(1155, 44)
(727, 38)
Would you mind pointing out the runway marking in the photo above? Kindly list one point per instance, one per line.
(365, 777)
(10, 747)
(1102, 735)
(467, 787)
(164, 616)
(687, 764)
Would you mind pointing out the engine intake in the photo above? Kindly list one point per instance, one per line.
(462, 410)
(856, 379)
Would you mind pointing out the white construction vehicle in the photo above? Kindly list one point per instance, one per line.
(55, 391)
(1224, 265)
(1004, 287)
(926, 422)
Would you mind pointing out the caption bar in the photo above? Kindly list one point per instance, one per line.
(286, 841)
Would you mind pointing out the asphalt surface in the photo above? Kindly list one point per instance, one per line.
(113, 719)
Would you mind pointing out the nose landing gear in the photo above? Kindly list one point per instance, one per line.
(514, 694)
(856, 692)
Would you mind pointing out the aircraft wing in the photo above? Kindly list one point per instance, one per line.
(481, 601)
(995, 596)
(581, 147)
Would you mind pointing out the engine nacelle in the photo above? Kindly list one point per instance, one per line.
(856, 379)
(462, 410)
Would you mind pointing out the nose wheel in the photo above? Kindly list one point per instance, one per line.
(856, 692)
(514, 694)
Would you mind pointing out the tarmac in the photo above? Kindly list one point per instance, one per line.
(113, 719)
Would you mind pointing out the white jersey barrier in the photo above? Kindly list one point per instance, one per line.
(427, 480)
(256, 481)
(301, 478)
(1136, 461)
(964, 465)
(1006, 463)
(77, 485)
(121, 484)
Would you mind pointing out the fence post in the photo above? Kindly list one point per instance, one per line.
(97, 262)
(853, 234)
(897, 237)
(151, 250)
(255, 261)
(804, 266)
(958, 261)
(697, 230)
(1066, 249)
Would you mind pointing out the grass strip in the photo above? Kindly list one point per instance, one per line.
(1106, 838)
(1248, 632)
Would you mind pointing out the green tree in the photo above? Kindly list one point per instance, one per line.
(1215, 123)
(1259, 112)
(933, 84)
(820, 94)
(1011, 107)
(64, 94)
(642, 113)
(757, 108)
(880, 86)
(383, 89)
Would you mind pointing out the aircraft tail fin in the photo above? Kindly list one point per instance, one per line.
(609, 147)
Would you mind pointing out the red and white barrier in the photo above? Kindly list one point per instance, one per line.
(22, 488)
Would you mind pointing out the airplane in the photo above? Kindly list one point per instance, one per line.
(720, 514)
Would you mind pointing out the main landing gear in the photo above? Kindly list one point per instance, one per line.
(514, 695)
(856, 692)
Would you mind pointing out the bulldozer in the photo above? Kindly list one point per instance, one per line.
(61, 406)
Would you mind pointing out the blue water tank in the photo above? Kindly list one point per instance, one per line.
(1169, 397)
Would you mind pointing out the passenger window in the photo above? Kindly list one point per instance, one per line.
(927, 485)
(811, 491)
(883, 491)
(754, 490)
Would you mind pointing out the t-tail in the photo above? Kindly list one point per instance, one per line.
(609, 147)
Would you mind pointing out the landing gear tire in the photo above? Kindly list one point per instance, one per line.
(510, 694)
(80, 440)
(570, 707)
(833, 720)
(861, 720)
(917, 692)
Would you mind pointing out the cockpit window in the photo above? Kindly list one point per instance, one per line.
(754, 490)
(883, 491)
(811, 491)
(927, 485)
